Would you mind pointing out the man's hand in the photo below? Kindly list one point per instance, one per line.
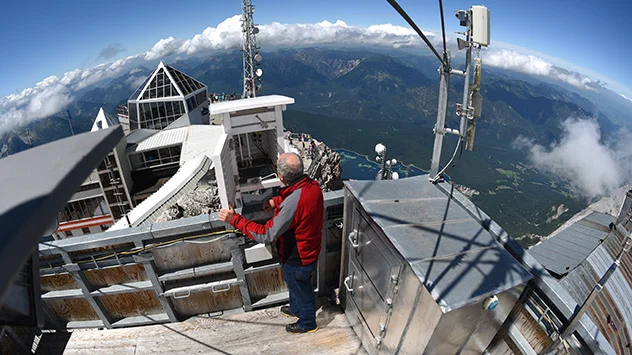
(268, 206)
(226, 215)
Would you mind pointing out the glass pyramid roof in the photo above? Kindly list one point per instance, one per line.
(166, 82)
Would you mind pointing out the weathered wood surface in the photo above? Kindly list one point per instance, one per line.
(259, 332)
(207, 302)
(185, 255)
(265, 283)
(131, 304)
(75, 309)
(58, 282)
(115, 275)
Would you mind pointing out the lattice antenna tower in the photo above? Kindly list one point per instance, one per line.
(250, 50)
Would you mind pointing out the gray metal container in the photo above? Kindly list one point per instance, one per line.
(417, 270)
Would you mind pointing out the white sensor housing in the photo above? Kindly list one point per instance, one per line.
(480, 25)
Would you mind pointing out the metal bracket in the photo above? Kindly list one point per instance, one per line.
(346, 285)
(263, 123)
(353, 238)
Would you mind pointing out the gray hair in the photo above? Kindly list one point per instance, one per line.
(290, 165)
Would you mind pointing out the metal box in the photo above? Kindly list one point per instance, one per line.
(417, 268)
(480, 25)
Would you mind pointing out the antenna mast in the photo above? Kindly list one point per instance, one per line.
(250, 50)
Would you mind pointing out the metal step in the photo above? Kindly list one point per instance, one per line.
(123, 288)
(269, 300)
(55, 295)
(197, 271)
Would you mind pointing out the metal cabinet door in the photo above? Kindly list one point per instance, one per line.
(366, 300)
(375, 257)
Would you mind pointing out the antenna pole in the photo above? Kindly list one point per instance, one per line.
(466, 85)
(439, 129)
(250, 50)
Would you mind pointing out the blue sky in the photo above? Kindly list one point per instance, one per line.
(44, 38)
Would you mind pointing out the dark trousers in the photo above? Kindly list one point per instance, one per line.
(299, 283)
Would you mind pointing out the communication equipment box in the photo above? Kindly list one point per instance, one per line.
(480, 25)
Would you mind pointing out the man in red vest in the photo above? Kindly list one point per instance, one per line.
(297, 228)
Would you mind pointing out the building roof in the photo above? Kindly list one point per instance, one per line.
(455, 257)
(612, 310)
(201, 140)
(104, 120)
(567, 249)
(164, 138)
(139, 135)
(166, 82)
(248, 104)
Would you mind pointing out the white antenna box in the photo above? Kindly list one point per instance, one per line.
(480, 25)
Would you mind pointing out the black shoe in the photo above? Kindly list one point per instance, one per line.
(285, 310)
(295, 328)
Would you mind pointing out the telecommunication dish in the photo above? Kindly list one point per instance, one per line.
(258, 57)
(255, 30)
(258, 72)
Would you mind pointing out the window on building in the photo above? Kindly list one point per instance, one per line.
(85, 230)
(68, 233)
(86, 208)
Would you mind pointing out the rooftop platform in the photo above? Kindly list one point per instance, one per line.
(249, 104)
(257, 332)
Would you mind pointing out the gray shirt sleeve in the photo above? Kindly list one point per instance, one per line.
(281, 222)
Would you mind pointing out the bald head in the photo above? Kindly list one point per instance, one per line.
(290, 167)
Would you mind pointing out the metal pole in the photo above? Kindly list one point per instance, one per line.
(439, 129)
(466, 86)
(576, 317)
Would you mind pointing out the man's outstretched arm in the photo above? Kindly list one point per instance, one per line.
(272, 229)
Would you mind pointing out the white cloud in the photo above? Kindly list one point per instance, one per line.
(533, 65)
(17, 109)
(593, 167)
(48, 97)
(625, 97)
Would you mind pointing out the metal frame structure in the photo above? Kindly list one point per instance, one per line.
(250, 49)
(142, 236)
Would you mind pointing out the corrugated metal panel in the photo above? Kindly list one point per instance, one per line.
(164, 138)
(612, 309)
(570, 247)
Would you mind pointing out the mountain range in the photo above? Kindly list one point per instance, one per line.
(356, 98)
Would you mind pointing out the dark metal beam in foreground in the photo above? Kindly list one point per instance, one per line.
(35, 184)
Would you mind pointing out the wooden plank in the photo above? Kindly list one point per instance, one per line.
(126, 305)
(141, 320)
(75, 309)
(264, 283)
(187, 255)
(207, 302)
(530, 329)
(282, 297)
(104, 277)
(58, 282)
(258, 332)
